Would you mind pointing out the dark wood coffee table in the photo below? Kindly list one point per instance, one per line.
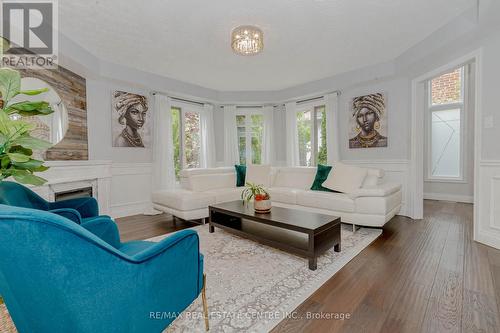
(296, 231)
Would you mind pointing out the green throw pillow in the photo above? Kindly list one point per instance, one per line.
(321, 175)
(241, 171)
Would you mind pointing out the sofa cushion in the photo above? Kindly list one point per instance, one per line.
(345, 178)
(183, 199)
(378, 205)
(284, 195)
(225, 194)
(295, 177)
(259, 174)
(325, 200)
(200, 183)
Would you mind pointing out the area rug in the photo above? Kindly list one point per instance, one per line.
(252, 287)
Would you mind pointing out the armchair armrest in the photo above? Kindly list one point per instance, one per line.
(69, 213)
(178, 239)
(87, 207)
(104, 228)
(381, 190)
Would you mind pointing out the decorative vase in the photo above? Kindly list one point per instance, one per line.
(262, 206)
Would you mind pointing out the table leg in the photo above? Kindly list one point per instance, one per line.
(313, 263)
(336, 248)
(211, 229)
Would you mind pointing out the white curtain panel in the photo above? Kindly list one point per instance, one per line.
(207, 136)
(332, 127)
(231, 153)
(292, 138)
(268, 135)
(163, 146)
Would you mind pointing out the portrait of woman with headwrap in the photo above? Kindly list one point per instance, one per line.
(130, 113)
(368, 118)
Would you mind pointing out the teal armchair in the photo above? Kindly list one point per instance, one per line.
(56, 276)
(84, 211)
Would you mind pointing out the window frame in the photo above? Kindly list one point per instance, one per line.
(314, 107)
(185, 108)
(462, 106)
(248, 112)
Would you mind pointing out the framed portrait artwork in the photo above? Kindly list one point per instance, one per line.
(368, 122)
(130, 124)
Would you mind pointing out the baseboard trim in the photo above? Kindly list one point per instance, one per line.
(488, 240)
(131, 208)
(449, 197)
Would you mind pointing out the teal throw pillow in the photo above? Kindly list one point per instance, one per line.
(321, 175)
(241, 171)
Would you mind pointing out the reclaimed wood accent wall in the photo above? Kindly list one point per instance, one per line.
(73, 91)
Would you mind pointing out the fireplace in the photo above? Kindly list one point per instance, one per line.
(85, 192)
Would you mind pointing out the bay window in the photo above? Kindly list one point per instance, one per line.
(250, 125)
(186, 138)
(311, 129)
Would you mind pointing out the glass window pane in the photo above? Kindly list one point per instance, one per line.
(192, 139)
(321, 136)
(304, 132)
(447, 88)
(257, 130)
(240, 120)
(176, 136)
(445, 143)
(242, 145)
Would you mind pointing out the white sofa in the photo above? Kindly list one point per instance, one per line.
(374, 204)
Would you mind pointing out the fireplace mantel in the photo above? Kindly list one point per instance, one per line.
(65, 174)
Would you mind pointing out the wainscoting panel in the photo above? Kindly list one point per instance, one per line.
(487, 205)
(396, 171)
(130, 189)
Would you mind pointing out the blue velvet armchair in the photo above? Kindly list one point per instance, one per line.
(56, 276)
(84, 211)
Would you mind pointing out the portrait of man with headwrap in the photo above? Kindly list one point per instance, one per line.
(130, 126)
(369, 120)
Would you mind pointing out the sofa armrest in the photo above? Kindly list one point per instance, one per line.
(69, 213)
(87, 207)
(381, 190)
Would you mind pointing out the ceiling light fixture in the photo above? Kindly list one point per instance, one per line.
(247, 40)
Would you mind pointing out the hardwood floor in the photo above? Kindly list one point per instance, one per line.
(418, 276)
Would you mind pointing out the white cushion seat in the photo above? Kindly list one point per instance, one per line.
(284, 195)
(326, 200)
(181, 199)
(225, 194)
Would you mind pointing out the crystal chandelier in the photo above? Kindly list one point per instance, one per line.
(247, 40)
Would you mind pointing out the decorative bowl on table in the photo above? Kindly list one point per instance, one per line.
(262, 205)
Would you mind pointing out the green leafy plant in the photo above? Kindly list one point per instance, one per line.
(254, 191)
(16, 143)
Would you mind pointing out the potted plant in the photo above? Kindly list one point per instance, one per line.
(261, 198)
(16, 143)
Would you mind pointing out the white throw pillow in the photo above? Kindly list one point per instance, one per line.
(259, 175)
(345, 178)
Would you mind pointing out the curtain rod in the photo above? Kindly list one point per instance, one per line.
(309, 99)
(181, 99)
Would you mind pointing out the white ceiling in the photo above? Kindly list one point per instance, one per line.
(304, 40)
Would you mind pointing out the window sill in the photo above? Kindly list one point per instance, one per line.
(446, 180)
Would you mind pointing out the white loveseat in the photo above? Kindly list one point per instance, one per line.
(374, 204)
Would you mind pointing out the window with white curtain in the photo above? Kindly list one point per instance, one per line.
(445, 126)
(250, 126)
(186, 137)
(311, 131)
